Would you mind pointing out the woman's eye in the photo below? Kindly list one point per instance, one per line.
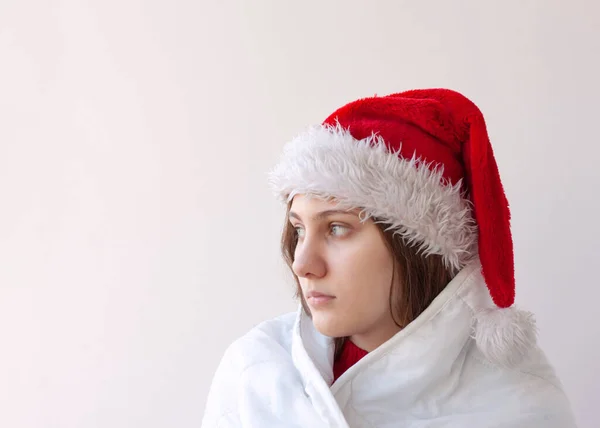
(299, 232)
(337, 230)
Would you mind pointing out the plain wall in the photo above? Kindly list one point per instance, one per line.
(138, 235)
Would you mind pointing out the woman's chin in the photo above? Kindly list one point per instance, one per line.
(330, 325)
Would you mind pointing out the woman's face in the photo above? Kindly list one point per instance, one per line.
(345, 271)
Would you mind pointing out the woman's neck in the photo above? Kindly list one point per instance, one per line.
(376, 337)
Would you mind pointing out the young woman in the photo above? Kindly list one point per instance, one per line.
(397, 232)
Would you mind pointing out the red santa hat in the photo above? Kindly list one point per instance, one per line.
(422, 162)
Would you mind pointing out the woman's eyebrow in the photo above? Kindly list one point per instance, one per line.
(323, 214)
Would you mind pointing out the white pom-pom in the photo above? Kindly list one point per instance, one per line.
(505, 336)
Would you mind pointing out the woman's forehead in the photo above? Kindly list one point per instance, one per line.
(305, 204)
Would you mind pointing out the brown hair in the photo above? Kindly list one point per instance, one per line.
(422, 278)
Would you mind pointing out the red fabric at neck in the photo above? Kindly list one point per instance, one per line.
(349, 356)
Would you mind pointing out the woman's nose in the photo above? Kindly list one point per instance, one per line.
(309, 260)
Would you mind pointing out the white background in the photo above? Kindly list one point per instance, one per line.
(138, 236)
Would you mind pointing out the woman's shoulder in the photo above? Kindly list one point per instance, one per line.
(267, 341)
(274, 331)
(531, 389)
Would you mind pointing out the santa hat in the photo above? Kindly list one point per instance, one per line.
(421, 161)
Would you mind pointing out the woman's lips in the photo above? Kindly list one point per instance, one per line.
(315, 299)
